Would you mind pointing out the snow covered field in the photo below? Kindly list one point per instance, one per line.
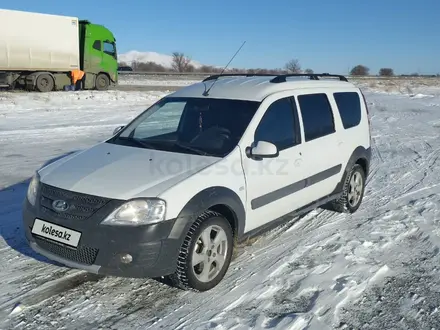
(395, 85)
(375, 269)
(140, 80)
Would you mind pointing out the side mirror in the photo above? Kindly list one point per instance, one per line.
(262, 149)
(117, 130)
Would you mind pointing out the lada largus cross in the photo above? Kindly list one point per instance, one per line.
(169, 194)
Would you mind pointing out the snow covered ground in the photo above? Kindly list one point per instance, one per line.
(375, 269)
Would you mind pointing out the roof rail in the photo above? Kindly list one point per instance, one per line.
(216, 76)
(278, 77)
(313, 76)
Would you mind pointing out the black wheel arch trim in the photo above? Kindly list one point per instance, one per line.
(359, 153)
(207, 199)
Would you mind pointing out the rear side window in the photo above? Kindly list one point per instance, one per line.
(317, 116)
(349, 105)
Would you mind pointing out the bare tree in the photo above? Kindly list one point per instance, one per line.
(293, 66)
(386, 72)
(308, 71)
(180, 62)
(360, 70)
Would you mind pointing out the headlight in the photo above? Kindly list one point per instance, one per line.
(137, 212)
(33, 189)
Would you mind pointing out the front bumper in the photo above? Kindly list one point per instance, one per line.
(153, 249)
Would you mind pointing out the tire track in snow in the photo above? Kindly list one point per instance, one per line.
(45, 291)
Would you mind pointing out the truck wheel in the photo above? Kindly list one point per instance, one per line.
(44, 83)
(352, 192)
(102, 82)
(205, 254)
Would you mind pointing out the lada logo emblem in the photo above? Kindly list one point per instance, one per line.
(60, 205)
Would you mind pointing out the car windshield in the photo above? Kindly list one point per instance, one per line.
(202, 126)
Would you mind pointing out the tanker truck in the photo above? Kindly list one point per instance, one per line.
(40, 51)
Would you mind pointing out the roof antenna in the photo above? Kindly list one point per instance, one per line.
(206, 92)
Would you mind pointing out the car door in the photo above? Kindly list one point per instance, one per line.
(273, 185)
(322, 145)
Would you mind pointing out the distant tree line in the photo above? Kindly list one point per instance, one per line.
(182, 63)
(362, 70)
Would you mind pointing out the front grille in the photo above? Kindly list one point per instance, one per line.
(83, 255)
(81, 206)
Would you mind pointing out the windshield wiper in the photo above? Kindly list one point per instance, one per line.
(197, 151)
(139, 142)
(153, 144)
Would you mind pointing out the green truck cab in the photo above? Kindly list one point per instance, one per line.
(98, 55)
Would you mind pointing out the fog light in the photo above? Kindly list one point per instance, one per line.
(126, 258)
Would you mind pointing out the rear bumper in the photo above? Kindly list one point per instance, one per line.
(100, 248)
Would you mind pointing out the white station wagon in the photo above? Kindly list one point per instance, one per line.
(169, 194)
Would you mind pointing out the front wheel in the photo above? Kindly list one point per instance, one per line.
(205, 254)
(102, 82)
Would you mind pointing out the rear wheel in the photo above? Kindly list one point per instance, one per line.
(205, 254)
(102, 82)
(352, 192)
(45, 83)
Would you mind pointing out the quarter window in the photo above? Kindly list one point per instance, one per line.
(317, 116)
(349, 106)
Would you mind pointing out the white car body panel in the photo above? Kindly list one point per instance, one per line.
(122, 172)
(270, 174)
(227, 173)
(353, 137)
(324, 153)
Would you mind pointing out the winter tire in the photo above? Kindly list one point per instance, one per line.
(205, 254)
(352, 191)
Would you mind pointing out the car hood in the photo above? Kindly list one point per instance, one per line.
(122, 172)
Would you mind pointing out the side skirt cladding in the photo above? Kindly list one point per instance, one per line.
(360, 153)
(294, 187)
(289, 216)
